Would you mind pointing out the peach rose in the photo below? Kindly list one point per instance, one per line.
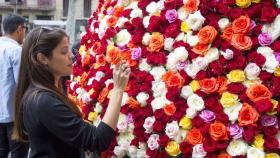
(102, 95)
(222, 82)
(241, 42)
(156, 42)
(224, 155)
(209, 85)
(247, 115)
(241, 25)
(173, 79)
(191, 6)
(111, 21)
(207, 34)
(201, 49)
(96, 46)
(257, 92)
(218, 131)
(113, 55)
(133, 103)
(84, 78)
(227, 33)
(194, 136)
(169, 109)
(118, 11)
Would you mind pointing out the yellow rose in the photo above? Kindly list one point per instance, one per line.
(228, 99)
(185, 123)
(184, 27)
(195, 85)
(259, 141)
(243, 3)
(272, 155)
(275, 104)
(82, 50)
(172, 148)
(256, 1)
(92, 116)
(277, 72)
(236, 76)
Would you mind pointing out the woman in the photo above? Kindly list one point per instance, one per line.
(44, 115)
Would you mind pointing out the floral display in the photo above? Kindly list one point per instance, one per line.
(205, 78)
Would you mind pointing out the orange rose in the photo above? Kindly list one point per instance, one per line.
(111, 21)
(194, 136)
(218, 131)
(86, 60)
(224, 155)
(247, 115)
(191, 6)
(118, 11)
(241, 25)
(113, 55)
(100, 60)
(209, 85)
(102, 95)
(83, 80)
(173, 79)
(241, 42)
(222, 82)
(96, 46)
(133, 103)
(257, 92)
(227, 33)
(200, 49)
(156, 42)
(207, 34)
(169, 109)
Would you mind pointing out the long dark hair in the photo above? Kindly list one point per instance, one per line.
(34, 73)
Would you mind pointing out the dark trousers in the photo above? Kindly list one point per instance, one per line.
(17, 149)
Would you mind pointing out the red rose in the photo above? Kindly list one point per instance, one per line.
(156, 58)
(271, 144)
(265, 76)
(197, 121)
(159, 114)
(216, 68)
(254, 11)
(172, 31)
(137, 37)
(145, 87)
(222, 144)
(186, 148)
(248, 135)
(211, 155)
(243, 97)
(276, 46)
(268, 14)
(158, 126)
(124, 109)
(146, 111)
(257, 58)
(173, 93)
(162, 154)
(235, 13)
(126, 13)
(130, 28)
(163, 140)
(205, 129)
(263, 105)
(143, 4)
(210, 102)
(225, 45)
(222, 9)
(257, 30)
(229, 2)
(222, 117)
(201, 75)
(275, 86)
(217, 41)
(151, 153)
(185, 76)
(181, 44)
(169, 4)
(270, 131)
(237, 63)
(155, 24)
(192, 55)
(235, 88)
(209, 145)
(212, 20)
(217, 108)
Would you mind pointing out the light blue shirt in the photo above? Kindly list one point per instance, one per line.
(10, 54)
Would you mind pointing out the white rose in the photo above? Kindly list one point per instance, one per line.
(182, 15)
(186, 91)
(196, 102)
(180, 37)
(278, 3)
(109, 81)
(195, 20)
(142, 146)
(252, 71)
(72, 84)
(132, 5)
(98, 107)
(228, 54)
(99, 75)
(136, 13)
(192, 40)
(168, 44)
(141, 154)
(200, 62)
(153, 141)
(146, 22)
(85, 98)
(144, 66)
(146, 39)
(179, 54)
(191, 70)
(191, 112)
(148, 124)
(273, 28)
(237, 147)
(152, 8)
(121, 22)
(212, 55)
(142, 98)
(122, 126)
(255, 153)
(159, 103)
(172, 129)
(265, 51)
(223, 23)
(160, 5)
(198, 151)
(270, 64)
(233, 112)
(132, 151)
(119, 151)
(159, 89)
(157, 72)
(123, 37)
(125, 99)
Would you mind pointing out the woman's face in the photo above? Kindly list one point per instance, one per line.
(60, 63)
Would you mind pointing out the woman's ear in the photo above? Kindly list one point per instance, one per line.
(42, 58)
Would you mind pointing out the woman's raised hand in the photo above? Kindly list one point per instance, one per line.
(121, 74)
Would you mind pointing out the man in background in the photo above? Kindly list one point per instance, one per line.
(10, 55)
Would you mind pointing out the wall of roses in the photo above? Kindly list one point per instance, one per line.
(205, 76)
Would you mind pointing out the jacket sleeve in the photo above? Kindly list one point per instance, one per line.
(69, 127)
